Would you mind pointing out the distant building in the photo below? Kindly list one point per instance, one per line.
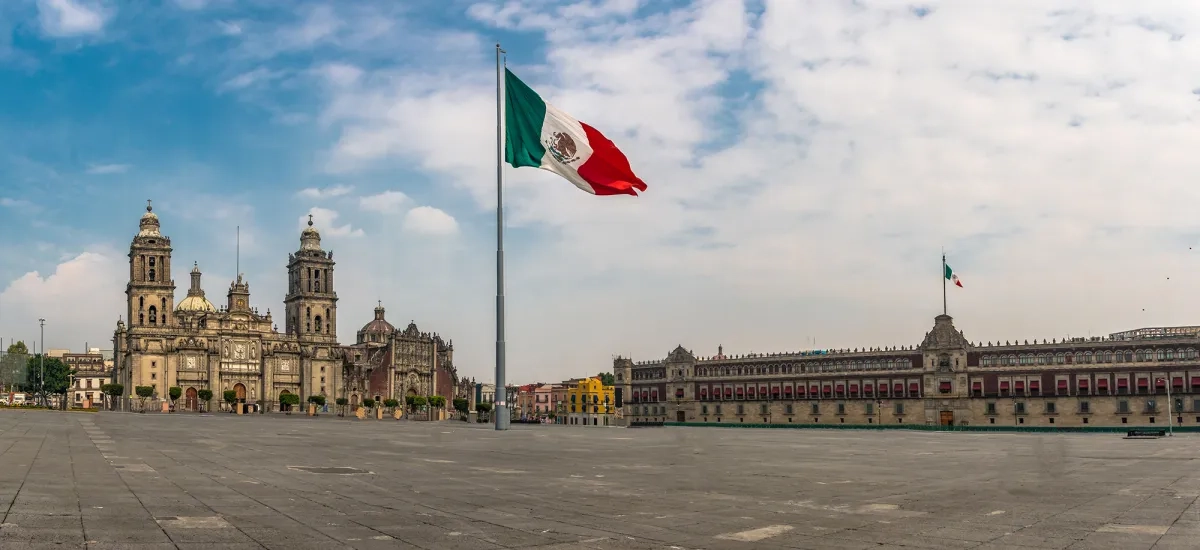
(591, 403)
(91, 372)
(1121, 380)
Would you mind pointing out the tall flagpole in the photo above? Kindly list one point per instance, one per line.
(944, 311)
(501, 410)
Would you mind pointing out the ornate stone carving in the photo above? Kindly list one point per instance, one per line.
(944, 336)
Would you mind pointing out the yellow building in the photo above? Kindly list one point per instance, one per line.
(591, 403)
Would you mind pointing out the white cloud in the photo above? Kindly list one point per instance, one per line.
(252, 78)
(340, 74)
(71, 17)
(324, 220)
(77, 300)
(107, 168)
(8, 202)
(230, 28)
(326, 193)
(390, 202)
(428, 220)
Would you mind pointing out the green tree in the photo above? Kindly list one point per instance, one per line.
(318, 400)
(462, 405)
(289, 400)
(205, 396)
(341, 403)
(369, 403)
(411, 402)
(437, 401)
(144, 393)
(230, 397)
(483, 409)
(114, 392)
(391, 404)
(607, 378)
(55, 380)
(174, 392)
(18, 348)
(419, 402)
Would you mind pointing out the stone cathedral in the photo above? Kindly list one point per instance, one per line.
(195, 345)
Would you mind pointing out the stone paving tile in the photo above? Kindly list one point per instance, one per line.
(444, 485)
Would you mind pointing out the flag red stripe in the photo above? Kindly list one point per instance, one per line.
(958, 282)
(608, 170)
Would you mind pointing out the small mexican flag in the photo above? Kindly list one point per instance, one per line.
(538, 134)
(952, 277)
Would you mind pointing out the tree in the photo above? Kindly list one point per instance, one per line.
(144, 392)
(462, 405)
(230, 397)
(18, 348)
(55, 381)
(607, 378)
(341, 403)
(318, 400)
(205, 396)
(410, 401)
(369, 403)
(483, 409)
(114, 392)
(391, 404)
(437, 402)
(174, 392)
(419, 401)
(289, 400)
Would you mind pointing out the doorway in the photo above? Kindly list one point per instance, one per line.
(947, 418)
(680, 416)
(191, 402)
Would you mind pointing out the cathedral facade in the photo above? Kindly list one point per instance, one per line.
(195, 345)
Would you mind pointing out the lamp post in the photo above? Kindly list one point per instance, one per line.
(1170, 414)
(42, 363)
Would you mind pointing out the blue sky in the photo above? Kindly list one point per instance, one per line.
(807, 163)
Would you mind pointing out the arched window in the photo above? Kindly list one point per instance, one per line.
(141, 318)
(317, 324)
(153, 315)
(328, 320)
(141, 302)
(164, 311)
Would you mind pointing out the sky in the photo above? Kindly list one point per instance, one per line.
(807, 162)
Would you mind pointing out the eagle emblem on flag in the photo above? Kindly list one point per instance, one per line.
(562, 147)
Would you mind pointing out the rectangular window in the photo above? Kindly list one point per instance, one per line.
(762, 409)
(870, 408)
(841, 408)
(1085, 407)
(1123, 406)
(1051, 408)
(1196, 404)
(991, 408)
(816, 408)
(704, 409)
(741, 410)
(899, 409)
(1151, 406)
(1019, 408)
(788, 408)
(718, 411)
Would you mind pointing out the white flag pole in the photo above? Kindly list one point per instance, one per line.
(501, 409)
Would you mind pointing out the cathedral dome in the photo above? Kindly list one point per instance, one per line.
(149, 224)
(378, 329)
(195, 301)
(310, 238)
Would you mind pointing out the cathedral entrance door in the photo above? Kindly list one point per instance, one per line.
(191, 402)
(354, 403)
(240, 391)
(947, 418)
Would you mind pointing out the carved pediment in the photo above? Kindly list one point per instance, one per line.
(679, 354)
(944, 335)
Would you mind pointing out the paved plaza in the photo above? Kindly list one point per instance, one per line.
(129, 481)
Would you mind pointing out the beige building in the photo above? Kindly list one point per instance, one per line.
(195, 345)
(91, 372)
(1145, 377)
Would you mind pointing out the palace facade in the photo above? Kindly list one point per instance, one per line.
(1120, 380)
(195, 345)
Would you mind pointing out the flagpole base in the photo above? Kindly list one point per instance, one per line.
(502, 418)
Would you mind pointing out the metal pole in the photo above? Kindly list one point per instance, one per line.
(42, 363)
(944, 311)
(502, 403)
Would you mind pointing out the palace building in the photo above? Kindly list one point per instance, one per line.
(195, 345)
(1122, 379)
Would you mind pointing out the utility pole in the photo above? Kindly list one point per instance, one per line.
(42, 363)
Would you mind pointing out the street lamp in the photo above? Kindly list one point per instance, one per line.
(42, 363)
(1170, 423)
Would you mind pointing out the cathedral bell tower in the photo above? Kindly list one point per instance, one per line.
(151, 291)
(311, 303)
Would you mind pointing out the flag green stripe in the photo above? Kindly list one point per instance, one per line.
(949, 271)
(524, 112)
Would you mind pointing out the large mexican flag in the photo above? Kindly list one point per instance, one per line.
(539, 135)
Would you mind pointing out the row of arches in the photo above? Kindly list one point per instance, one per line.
(153, 313)
(1087, 357)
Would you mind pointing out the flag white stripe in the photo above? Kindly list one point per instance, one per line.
(557, 121)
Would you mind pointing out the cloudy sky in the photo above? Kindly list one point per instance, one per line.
(807, 163)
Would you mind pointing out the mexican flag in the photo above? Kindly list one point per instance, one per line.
(538, 134)
(952, 277)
